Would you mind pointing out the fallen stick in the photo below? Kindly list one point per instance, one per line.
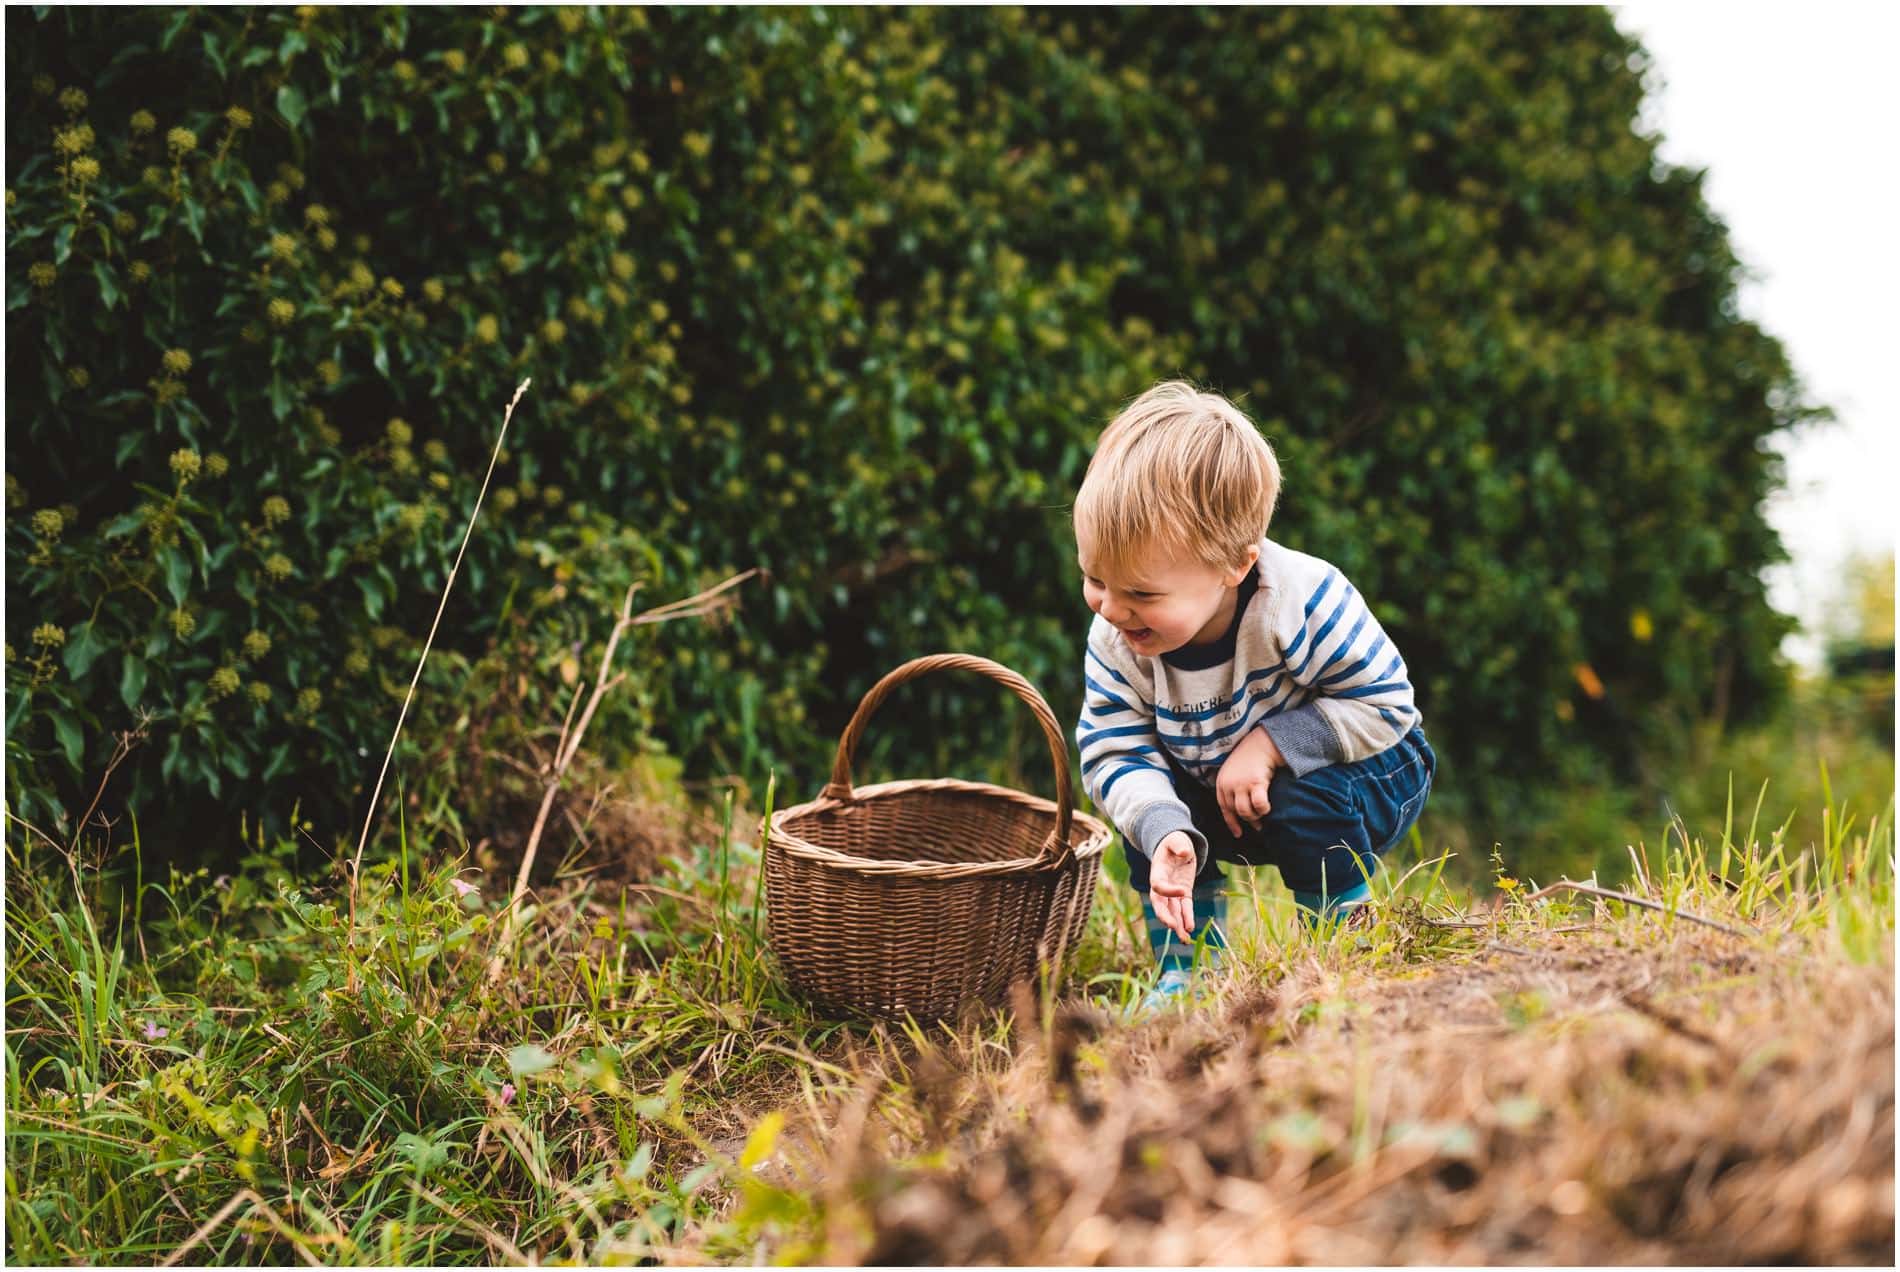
(1607, 894)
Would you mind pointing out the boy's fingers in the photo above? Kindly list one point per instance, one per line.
(1262, 805)
(1243, 803)
(1181, 914)
(1164, 910)
(1227, 812)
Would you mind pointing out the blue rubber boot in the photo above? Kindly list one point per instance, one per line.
(1174, 956)
(1170, 989)
(1327, 915)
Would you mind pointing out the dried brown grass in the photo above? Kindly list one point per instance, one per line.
(600, 831)
(1625, 1094)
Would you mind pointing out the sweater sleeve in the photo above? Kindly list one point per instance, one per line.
(1123, 768)
(1361, 699)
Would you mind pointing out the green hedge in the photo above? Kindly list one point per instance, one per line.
(846, 295)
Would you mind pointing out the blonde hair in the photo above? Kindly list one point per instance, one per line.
(1179, 471)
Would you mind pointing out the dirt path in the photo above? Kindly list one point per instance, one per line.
(1595, 1099)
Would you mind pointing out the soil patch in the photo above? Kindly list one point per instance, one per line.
(1584, 1101)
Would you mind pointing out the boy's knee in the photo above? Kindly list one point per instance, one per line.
(1321, 839)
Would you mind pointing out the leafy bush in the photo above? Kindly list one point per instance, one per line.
(1494, 341)
(266, 423)
(846, 295)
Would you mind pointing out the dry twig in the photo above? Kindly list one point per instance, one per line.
(127, 740)
(573, 731)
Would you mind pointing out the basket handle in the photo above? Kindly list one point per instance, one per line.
(839, 787)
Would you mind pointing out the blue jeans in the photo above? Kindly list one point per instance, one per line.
(1326, 831)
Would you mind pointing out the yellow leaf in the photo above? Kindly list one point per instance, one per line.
(1641, 627)
(570, 670)
(343, 1163)
(758, 1145)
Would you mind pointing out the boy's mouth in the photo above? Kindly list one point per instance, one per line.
(1137, 633)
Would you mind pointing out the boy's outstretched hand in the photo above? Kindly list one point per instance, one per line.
(1241, 787)
(1171, 884)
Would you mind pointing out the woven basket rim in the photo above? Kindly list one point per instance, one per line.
(788, 840)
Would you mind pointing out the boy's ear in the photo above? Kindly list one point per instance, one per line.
(1253, 559)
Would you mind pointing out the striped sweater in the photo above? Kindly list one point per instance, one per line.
(1304, 659)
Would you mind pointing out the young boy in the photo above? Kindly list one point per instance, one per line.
(1241, 704)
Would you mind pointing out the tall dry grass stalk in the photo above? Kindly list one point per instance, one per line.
(468, 532)
(700, 604)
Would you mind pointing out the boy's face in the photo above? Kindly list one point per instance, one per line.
(1163, 603)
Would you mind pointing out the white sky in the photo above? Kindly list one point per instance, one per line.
(1792, 109)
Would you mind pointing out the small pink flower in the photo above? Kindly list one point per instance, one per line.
(463, 888)
(507, 1094)
(154, 1031)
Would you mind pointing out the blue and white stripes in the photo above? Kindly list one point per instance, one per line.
(1310, 664)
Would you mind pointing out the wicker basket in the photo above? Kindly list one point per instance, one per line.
(918, 896)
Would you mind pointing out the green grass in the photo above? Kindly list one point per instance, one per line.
(193, 1049)
(1822, 752)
